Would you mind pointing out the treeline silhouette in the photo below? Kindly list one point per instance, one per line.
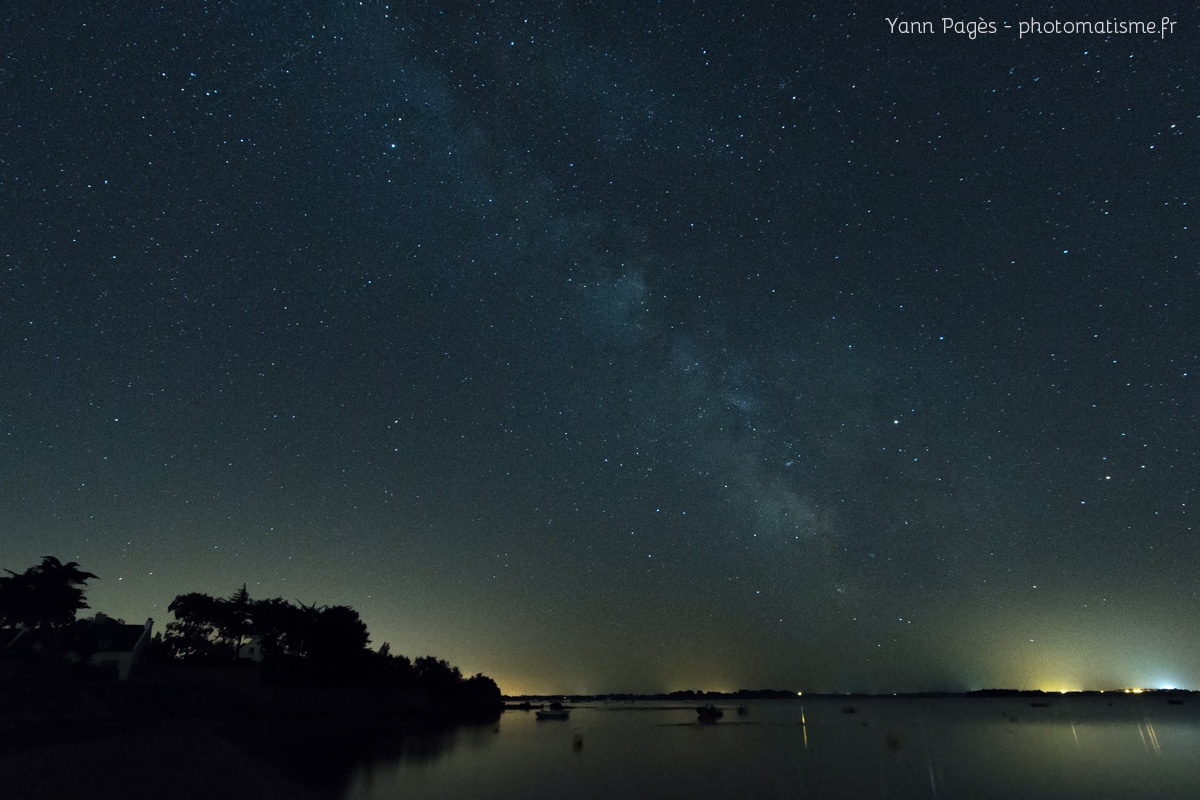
(302, 645)
(287, 644)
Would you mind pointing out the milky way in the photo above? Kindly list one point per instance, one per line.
(613, 349)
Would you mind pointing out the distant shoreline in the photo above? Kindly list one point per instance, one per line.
(779, 694)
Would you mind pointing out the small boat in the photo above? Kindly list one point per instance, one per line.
(558, 713)
(709, 713)
(742, 711)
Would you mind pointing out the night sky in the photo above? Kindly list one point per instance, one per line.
(616, 346)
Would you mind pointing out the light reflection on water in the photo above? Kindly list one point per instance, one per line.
(817, 748)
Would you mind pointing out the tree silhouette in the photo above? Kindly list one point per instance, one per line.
(235, 620)
(45, 596)
(437, 674)
(191, 636)
(277, 624)
(337, 633)
(481, 690)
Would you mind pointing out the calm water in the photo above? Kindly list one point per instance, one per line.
(901, 748)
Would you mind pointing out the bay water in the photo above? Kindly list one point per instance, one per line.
(1095, 746)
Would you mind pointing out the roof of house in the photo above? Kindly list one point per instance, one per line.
(102, 635)
(109, 636)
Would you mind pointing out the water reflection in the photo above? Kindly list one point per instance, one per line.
(330, 755)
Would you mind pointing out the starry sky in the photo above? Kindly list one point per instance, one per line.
(616, 346)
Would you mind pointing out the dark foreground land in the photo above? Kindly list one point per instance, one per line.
(111, 741)
(182, 759)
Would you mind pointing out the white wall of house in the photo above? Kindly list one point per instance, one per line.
(251, 650)
(125, 659)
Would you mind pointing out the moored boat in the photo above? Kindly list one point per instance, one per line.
(709, 713)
